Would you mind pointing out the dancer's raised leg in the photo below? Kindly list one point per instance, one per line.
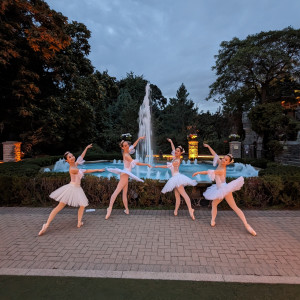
(214, 211)
(177, 203)
(230, 200)
(52, 215)
(123, 181)
(125, 199)
(187, 199)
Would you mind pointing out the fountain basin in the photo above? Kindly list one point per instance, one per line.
(187, 169)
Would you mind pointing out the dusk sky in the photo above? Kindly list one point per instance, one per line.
(171, 42)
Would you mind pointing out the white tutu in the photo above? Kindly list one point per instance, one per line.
(214, 192)
(124, 171)
(70, 194)
(176, 181)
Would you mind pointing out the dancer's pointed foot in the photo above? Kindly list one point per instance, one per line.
(192, 214)
(43, 230)
(175, 212)
(108, 213)
(79, 224)
(212, 223)
(250, 230)
(126, 211)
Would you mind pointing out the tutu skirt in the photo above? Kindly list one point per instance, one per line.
(214, 192)
(70, 194)
(176, 181)
(119, 171)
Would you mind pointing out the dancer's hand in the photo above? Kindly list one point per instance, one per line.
(169, 140)
(149, 166)
(206, 145)
(89, 146)
(195, 174)
(101, 170)
(142, 137)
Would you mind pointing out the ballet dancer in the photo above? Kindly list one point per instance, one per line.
(71, 194)
(129, 163)
(178, 181)
(217, 192)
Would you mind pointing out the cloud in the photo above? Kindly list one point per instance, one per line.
(172, 42)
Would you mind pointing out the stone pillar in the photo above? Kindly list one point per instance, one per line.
(235, 148)
(11, 151)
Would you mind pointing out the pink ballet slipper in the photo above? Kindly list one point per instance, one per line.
(126, 211)
(108, 213)
(79, 224)
(43, 230)
(212, 223)
(175, 213)
(192, 214)
(250, 230)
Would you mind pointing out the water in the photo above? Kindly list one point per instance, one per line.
(234, 170)
(61, 166)
(144, 150)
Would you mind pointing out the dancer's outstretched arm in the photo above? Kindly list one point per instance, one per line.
(162, 167)
(86, 148)
(136, 142)
(217, 172)
(210, 149)
(94, 170)
(142, 164)
(129, 158)
(172, 145)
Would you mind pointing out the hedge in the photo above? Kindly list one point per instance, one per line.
(257, 192)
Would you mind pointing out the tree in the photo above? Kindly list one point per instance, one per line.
(270, 121)
(256, 63)
(177, 116)
(30, 36)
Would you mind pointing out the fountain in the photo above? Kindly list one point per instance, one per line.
(144, 150)
(157, 175)
(245, 170)
(195, 161)
(61, 166)
(114, 161)
(148, 172)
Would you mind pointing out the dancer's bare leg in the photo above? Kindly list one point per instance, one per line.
(214, 211)
(53, 213)
(123, 181)
(80, 214)
(125, 199)
(187, 200)
(177, 204)
(230, 200)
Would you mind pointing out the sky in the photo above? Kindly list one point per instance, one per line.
(171, 42)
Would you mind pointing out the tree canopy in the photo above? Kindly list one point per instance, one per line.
(256, 63)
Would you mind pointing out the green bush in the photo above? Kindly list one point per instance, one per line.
(257, 192)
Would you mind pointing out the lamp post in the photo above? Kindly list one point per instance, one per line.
(193, 145)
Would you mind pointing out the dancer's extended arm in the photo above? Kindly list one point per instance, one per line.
(136, 142)
(86, 148)
(210, 149)
(217, 172)
(172, 145)
(94, 170)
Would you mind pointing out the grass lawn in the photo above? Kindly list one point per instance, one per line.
(38, 287)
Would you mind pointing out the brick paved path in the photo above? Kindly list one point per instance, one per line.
(151, 242)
